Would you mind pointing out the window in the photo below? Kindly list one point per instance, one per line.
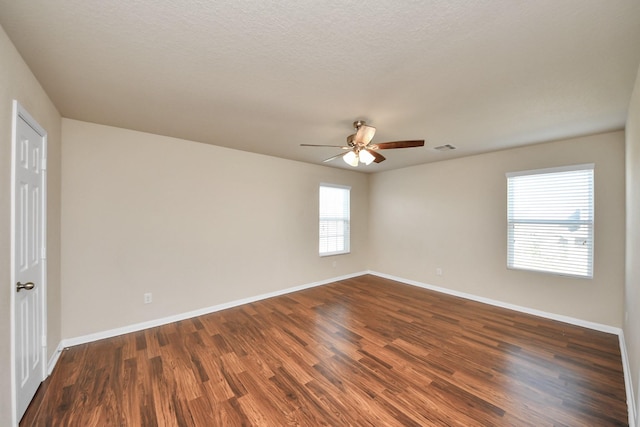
(550, 220)
(334, 219)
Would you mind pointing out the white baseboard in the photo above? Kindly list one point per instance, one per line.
(54, 358)
(628, 383)
(559, 317)
(69, 342)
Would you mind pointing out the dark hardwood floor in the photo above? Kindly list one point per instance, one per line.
(365, 351)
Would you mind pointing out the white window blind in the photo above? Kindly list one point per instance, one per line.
(334, 219)
(550, 220)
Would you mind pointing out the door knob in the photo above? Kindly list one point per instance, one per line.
(27, 286)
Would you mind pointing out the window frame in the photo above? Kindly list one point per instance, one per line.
(346, 219)
(589, 222)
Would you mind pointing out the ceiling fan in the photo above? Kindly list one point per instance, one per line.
(359, 147)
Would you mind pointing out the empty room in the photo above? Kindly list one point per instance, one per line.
(320, 213)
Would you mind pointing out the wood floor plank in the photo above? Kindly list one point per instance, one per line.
(365, 351)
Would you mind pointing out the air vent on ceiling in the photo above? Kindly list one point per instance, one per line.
(446, 147)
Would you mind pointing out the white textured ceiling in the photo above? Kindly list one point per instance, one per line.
(265, 76)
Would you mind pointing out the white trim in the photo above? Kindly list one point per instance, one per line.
(628, 383)
(12, 273)
(344, 187)
(559, 317)
(188, 315)
(583, 166)
(53, 361)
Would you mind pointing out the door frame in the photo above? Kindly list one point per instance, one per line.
(20, 112)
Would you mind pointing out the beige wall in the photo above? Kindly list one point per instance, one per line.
(452, 215)
(194, 224)
(632, 285)
(17, 82)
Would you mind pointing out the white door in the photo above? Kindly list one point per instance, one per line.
(29, 257)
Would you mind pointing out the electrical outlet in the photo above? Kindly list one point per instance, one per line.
(148, 298)
(334, 264)
(439, 271)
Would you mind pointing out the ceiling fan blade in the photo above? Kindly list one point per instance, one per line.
(398, 144)
(322, 145)
(364, 135)
(333, 157)
(378, 157)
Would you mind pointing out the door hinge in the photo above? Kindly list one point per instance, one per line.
(43, 253)
(44, 341)
(44, 164)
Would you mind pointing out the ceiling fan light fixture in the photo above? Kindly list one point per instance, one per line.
(360, 149)
(366, 157)
(351, 158)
